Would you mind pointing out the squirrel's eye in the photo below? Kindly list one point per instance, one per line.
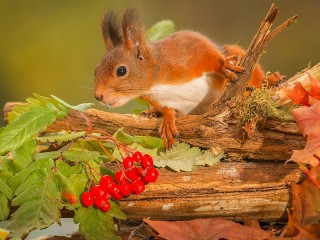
(121, 71)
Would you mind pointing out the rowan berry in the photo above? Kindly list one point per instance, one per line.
(137, 156)
(146, 161)
(137, 187)
(87, 199)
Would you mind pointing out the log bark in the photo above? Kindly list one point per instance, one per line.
(273, 140)
(226, 190)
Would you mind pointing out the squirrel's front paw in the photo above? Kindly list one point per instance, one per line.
(151, 113)
(230, 67)
(168, 130)
(275, 78)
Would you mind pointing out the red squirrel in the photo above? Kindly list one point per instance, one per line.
(173, 75)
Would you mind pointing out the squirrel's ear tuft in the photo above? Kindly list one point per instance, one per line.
(110, 28)
(133, 33)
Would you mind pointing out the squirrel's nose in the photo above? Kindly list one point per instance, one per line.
(98, 96)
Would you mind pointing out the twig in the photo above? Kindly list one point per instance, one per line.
(253, 53)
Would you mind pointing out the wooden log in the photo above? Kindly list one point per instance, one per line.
(227, 190)
(273, 140)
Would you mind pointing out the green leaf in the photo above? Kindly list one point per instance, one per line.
(144, 141)
(46, 155)
(91, 145)
(50, 104)
(78, 183)
(5, 189)
(208, 158)
(66, 189)
(17, 111)
(23, 154)
(4, 207)
(39, 200)
(20, 177)
(149, 142)
(5, 175)
(66, 169)
(137, 147)
(95, 224)
(80, 156)
(60, 137)
(160, 30)
(25, 127)
(12, 165)
(116, 212)
(182, 157)
(81, 107)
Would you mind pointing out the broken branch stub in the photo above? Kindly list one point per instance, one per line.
(263, 36)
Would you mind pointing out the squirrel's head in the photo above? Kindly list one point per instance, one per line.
(125, 71)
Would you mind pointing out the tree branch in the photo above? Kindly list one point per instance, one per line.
(253, 53)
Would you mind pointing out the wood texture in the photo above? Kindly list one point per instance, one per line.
(227, 190)
(272, 140)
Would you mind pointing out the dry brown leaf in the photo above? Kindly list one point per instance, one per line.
(314, 88)
(251, 222)
(298, 95)
(305, 203)
(304, 214)
(311, 232)
(251, 126)
(206, 229)
(308, 121)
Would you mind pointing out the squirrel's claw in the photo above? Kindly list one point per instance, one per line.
(231, 67)
(151, 113)
(168, 130)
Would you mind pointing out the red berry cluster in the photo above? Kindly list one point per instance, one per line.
(131, 179)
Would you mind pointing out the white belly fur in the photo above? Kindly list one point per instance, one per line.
(193, 97)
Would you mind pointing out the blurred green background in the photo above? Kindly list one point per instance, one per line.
(52, 47)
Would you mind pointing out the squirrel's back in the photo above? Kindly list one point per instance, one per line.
(185, 55)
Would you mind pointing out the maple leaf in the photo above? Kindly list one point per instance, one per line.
(308, 121)
(314, 88)
(298, 95)
(304, 214)
(305, 200)
(203, 229)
